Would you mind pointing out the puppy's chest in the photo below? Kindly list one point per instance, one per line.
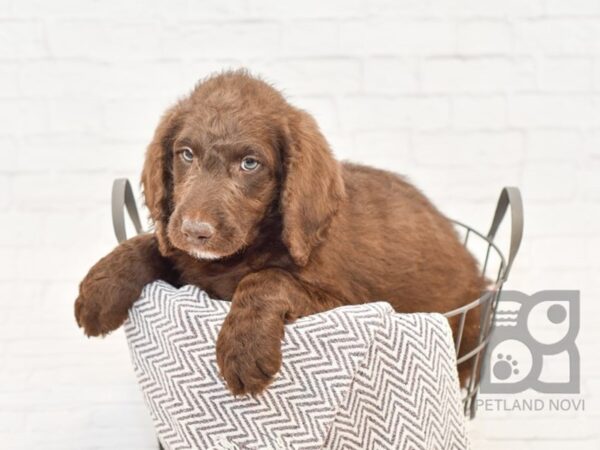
(220, 279)
(217, 283)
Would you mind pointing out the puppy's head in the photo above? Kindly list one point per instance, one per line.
(228, 155)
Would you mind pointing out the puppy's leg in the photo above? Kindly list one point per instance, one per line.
(249, 343)
(115, 282)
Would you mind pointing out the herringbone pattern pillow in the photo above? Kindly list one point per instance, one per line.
(357, 377)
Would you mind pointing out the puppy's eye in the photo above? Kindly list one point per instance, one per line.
(187, 154)
(249, 164)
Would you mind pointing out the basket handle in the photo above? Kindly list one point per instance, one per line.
(121, 198)
(510, 196)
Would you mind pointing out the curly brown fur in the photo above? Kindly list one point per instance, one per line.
(298, 234)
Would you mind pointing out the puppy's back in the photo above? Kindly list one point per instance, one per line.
(410, 250)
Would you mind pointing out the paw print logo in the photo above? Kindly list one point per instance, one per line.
(531, 332)
(505, 367)
(510, 362)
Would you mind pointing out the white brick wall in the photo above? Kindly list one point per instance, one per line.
(463, 96)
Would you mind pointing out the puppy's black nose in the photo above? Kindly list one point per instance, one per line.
(197, 231)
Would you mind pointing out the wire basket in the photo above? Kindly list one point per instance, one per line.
(122, 198)
(497, 274)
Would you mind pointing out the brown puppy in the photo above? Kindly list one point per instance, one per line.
(249, 204)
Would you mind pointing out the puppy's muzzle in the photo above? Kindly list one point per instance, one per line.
(197, 232)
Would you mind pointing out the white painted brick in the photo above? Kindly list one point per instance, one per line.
(56, 421)
(491, 9)
(59, 229)
(558, 218)
(484, 37)
(479, 149)
(91, 9)
(60, 263)
(592, 143)
(417, 9)
(477, 75)
(572, 8)
(206, 40)
(550, 182)
(60, 192)
(536, 110)
(80, 152)
(182, 10)
(132, 416)
(594, 120)
(9, 80)
(315, 76)
(544, 145)
(426, 113)
(580, 444)
(557, 36)
(310, 38)
(8, 269)
(370, 113)
(366, 113)
(571, 255)
(596, 75)
(51, 78)
(22, 39)
(75, 115)
(476, 185)
(21, 229)
(382, 148)
(391, 75)
(305, 9)
(6, 8)
(133, 119)
(488, 113)
(5, 191)
(8, 147)
(12, 420)
(593, 245)
(22, 115)
(126, 158)
(399, 37)
(589, 175)
(102, 40)
(565, 74)
(542, 428)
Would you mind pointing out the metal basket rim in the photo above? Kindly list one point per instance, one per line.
(488, 298)
(495, 286)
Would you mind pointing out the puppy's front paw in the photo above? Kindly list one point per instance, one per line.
(103, 304)
(248, 354)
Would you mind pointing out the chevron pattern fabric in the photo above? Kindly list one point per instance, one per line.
(357, 377)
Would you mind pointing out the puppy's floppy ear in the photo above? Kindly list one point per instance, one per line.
(312, 186)
(157, 178)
